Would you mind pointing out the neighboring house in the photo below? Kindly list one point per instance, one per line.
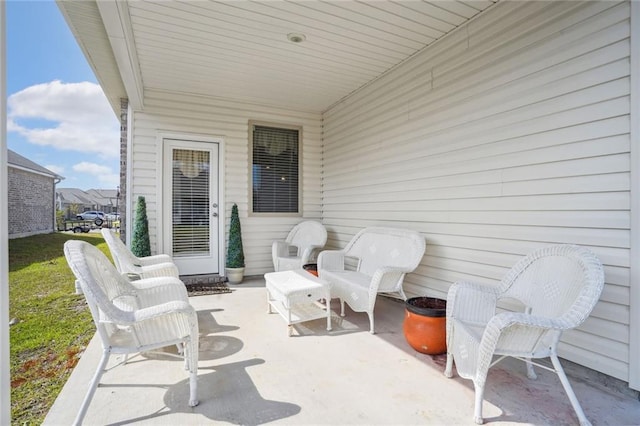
(31, 197)
(106, 199)
(493, 129)
(74, 200)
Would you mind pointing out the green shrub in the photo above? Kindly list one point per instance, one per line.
(140, 244)
(235, 252)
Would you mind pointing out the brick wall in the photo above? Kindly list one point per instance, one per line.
(30, 203)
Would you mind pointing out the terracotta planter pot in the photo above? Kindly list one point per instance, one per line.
(425, 324)
(312, 268)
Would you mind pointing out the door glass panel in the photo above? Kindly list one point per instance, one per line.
(191, 215)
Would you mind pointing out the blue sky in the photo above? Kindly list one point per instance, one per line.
(58, 116)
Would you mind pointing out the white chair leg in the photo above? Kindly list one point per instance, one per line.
(448, 371)
(371, 329)
(92, 388)
(192, 356)
(341, 307)
(401, 293)
(530, 372)
(193, 389)
(569, 390)
(187, 362)
(477, 413)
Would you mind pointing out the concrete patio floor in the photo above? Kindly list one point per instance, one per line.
(252, 373)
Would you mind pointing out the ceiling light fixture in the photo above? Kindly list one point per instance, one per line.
(296, 37)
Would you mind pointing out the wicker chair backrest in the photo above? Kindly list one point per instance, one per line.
(103, 286)
(123, 258)
(307, 233)
(377, 247)
(562, 281)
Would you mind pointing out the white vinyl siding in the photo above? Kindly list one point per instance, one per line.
(509, 134)
(189, 114)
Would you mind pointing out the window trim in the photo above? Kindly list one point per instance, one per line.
(252, 124)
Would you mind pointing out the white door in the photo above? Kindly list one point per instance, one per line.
(190, 212)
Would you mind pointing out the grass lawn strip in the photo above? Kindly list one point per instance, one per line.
(53, 325)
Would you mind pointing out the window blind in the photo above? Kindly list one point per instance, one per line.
(275, 170)
(191, 227)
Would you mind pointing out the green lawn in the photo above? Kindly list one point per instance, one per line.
(53, 325)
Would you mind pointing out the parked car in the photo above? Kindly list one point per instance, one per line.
(97, 217)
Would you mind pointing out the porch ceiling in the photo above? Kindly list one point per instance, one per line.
(239, 49)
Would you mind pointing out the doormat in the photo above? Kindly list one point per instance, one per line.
(200, 285)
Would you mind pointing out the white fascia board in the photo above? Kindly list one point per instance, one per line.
(117, 23)
(114, 99)
(35, 172)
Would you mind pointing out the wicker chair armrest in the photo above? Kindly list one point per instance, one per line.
(159, 270)
(127, 318)
(471, 301)
(161, 292)
(166, 322)
(280, 248)
(331, 260)
(155, 259)
(145, 283)
(387, 279)
(308, 253)
(168, 308)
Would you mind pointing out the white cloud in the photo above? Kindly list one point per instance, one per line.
(78, 117)
(102, 175)
(11, 125)
(59, 170)
(90, 168)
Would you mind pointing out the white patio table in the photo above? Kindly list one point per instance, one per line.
(296, 296)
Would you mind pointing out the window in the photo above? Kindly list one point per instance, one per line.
(275, 169)
(190, 201)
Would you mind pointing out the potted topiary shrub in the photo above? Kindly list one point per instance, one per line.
(235, 253)
(140, 244)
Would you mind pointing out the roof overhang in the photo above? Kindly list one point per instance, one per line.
(251, 51)
(115, 17)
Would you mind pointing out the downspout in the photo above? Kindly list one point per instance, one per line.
(5, 377)
(55, 207)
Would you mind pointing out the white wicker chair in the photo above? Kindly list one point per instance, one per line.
(558, 286)
(133, 317)
(159, 265)
(384, 256)
(304, 238)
